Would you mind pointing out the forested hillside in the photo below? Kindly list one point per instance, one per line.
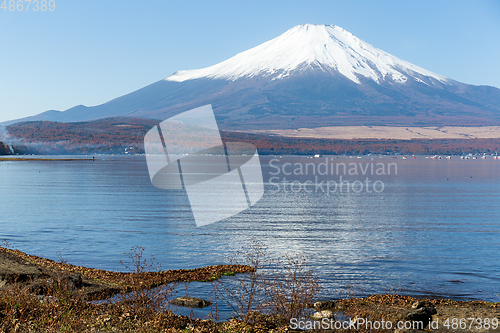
(126, 135)
(108, 136)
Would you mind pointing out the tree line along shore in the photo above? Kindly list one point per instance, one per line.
(126, 135)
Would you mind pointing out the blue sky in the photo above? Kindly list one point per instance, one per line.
(88, 52)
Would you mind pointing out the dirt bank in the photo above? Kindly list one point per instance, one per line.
(37, 275)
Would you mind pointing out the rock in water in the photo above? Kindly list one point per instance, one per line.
(324, 305)
(323, 314)
(191, 302)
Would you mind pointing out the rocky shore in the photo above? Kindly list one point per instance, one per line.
(431, 315)
(38, 294)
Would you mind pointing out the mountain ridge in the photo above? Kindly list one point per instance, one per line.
(269, 87)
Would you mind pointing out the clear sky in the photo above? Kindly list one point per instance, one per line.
(90, 51)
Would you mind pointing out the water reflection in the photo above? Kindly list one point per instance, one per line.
(431, 226)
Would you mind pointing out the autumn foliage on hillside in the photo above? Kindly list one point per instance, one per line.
(108, 136)
(126, 135)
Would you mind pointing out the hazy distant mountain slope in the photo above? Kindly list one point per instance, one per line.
(310, 76)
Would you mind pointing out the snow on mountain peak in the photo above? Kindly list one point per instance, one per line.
(327, 47)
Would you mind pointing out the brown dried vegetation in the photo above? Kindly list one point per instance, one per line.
(61, 307)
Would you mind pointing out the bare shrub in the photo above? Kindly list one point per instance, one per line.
(137, 263)
(282, 287)
(151, 296)
(60, 258)
(244, 293)
(5, 244)
(393, 292)
(292, 288)
(214, 309)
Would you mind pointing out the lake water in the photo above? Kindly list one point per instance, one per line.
(429, 228)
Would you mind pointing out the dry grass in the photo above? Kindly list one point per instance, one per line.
(24, 312)
(142, 310)
(265, 298)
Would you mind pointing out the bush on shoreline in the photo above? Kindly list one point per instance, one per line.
(281, 288)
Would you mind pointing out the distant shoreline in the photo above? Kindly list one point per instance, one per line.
(268, 144)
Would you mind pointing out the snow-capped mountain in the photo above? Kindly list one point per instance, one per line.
(310, 76)
(329, 48)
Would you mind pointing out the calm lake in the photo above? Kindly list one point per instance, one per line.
(422, 227)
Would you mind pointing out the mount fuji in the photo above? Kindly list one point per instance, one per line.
(310, 76)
